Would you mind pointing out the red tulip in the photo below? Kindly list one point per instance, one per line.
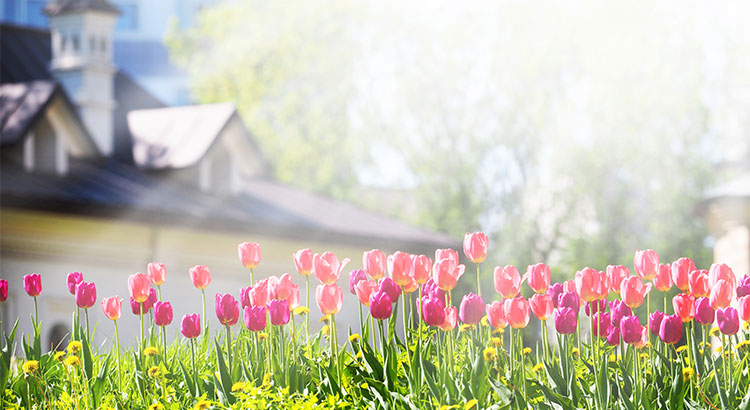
(421, 267)
(698, 283)
(616, 274)
(139, 287)
(201, 276)
(681, 270)
(475, 246)
(74, 278)
(326, 267)
(496, 314)
(592, 284)
(112, 307)
(722, 294)
(249, 254)
(632, 291)
(254, 318)
(399, 268)
(191, 326)
(538, 277)
(32, 284)
(162, 313)
(157, 273)
(373, 262)
(329, 297)
(646, 262)
(303, 261)
(507, 281)
(227, 309)
(364, 289)
(663, 278)
(517, 312)
(542, 306)
(684, 306)
(85, 294)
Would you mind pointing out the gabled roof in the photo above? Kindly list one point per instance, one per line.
(72, 6)
(735, 188)
(21, 104)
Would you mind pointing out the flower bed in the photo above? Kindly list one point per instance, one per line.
(459, 353)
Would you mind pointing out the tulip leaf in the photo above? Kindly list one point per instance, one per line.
(226, 379)
(603, 384)
(745, 403)
(677, 394)
(86, 359)
(719, 389)
(553, 397)
(187, 377)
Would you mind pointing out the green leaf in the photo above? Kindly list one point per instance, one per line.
(603, 384)
(226, 380)
(720, 390)
(188, 378)
(86, 359)
(553, 397)
(677, 394)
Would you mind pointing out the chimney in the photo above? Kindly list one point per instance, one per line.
(82, 39)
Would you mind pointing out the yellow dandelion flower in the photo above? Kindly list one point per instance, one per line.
(687, 373)
(497, 342)
(74, 347)
(202, 405)
(324, 330)
(485, 322)
(364, 386)
(465, 327)
(681, 349)
(156, 406)
(612, 358)
(150, 351)
(470, 404)
(73, 361)
(359, 355)
(446, 407)
(267, 379)
(353, 337)
(302, 310)
(526, 351)
(746, 325)
(31, 366)
(239, 386)
(153, 371)
(575, 352)
(714, 330)
(644, 355)
(498, 331)
(537, 368)
(262, 336)
(325, 319)
(59, 356)
(743, 344)
(490, 354)
(719, 349)
(648, 344)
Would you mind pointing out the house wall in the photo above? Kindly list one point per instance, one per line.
(106, 251)
(729, 222)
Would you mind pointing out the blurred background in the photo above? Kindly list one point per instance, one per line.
(572, 133)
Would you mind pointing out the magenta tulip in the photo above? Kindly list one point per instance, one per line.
(85, 294)
(569, 300)
(670, 331)
(32, 284)
(163, 313)
(602, 323)
(279, 312)
(631, 329)
(618, 310)
(3, 290)
(356, 276)
(381, 305)
(728, 320)
(227, 309)
(613, 336)
(433, 311)
(471, 309)
(255, 318)
(566, 320)
(388, 286)
(654, 322)
(704, 313)
(74, 278)
(191, 326)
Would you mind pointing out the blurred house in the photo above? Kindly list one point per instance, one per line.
(727, 210)
(97, 175)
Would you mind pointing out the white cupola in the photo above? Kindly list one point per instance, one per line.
(82, 61)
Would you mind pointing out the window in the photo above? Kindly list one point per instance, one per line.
(128, 20)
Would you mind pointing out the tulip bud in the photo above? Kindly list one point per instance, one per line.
(201, 276)
(728, 320)
(85, 294)
(112, 307)
(681, 270)
(684, 306)
(475, 246)
(631, 329)
(74, 278)
(326, 267)
(356, 276)
(157, 273)
(670, 330)
(538, 277)
(654, 322)
(163, 313)
(507, 281)
(139, 287)
(433, 311)
(542, 306)
(516, 312)
(249, 254)
(663, 278)
(618, 311)
(496, 314)
(566, 320)
(471, 309)
(646, 263)
(616, 274)
(329, 298)
(254, 318)
(279, 312)
(191, 326)
(303, 261)
(364, 289)
(374, 263)
(704, 312)
(227, 309)
(32, 284)
(613, 336)
(381, 305)
(698, 283)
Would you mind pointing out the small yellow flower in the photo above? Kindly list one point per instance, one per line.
(746, 325)
(612, 358)
(526, 351)
(239, 386)
(153, 371)
(714, 330)
(485, 322)
(325, 319)
(648, 345)
(72, 361)
(31, 366)
(202, 405)
(537, 368)
(74, 347)
(687, 373)
(150, 351)
(465, 327)
(719, 349)
(743, 344)
(302, 310)
(156, 406)
(498, 331)
(575, 352)
(59, 356)
(490, 354)
(497, 342)
(681, 349)
(644, 355)
(353, 337)
(364, 386)
(262, 336)
(359, 355)
(470, 404)
(324, 330)
(267, 379)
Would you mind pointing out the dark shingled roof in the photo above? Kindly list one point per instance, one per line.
(72, 6)
(21, 104)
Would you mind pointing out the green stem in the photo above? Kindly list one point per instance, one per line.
(195, 369)
(88, 333)
(164, 339)
(403, 317)
(593, 353)
(307, 315)
(203, 296)
(479, 283)
(252, 277)
(545, 342)
(523, 364)
(158, 291)
(335, 348)
(229, 347)
(119, 370)
(36, 313)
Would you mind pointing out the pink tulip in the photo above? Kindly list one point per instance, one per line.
(3, 290)
(613, 336)
(201, 276)
(475, 246)
(249, 254)
(471, 309)
(446, 273)
(32, 284)
(162, 313)
(451, 319)
(566, 320)
(279, 312)
(722, 294)
(227, 309)
(646, 262)
(719, 271)
(282, 288)
(399, 268)
(410, 287)
(112, 307)
(507, 281)
(433, 311)
(704, 313)
(654, 322)
(541, 306)
(670, 330)
(632, 291)
(592, 284)
(631, 329)
(157, 273)
(616, 274)
(570, 300)
(139, 287)
(554, 292)
(374, 263)
(421, 267)
(517, 312)
(595, 306)
(743, 307)
(684, 306)
(388, 286)
(681, 270)
(254, 318)
(330, 297)
(303, 261)
(258, 294)
(728, 320)
(364, 289)
(663, 278)
(602, 322)
(698, 283)
(293, 298)
(85, 294)
(191, 326)
(446, 254)
(245, 300)
(327, 268)
(356, 276)
(381, 305)
(538, 277)
(74, 278)
(618, 310)
(496, 314)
